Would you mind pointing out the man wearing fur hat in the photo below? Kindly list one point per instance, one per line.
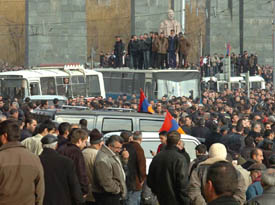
(217, 152)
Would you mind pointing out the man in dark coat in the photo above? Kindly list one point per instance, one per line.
(61, 183)
(168, 173)
(30, 125)
(72, 150)
(118, 51)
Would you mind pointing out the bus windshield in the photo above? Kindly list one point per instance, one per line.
(14, 88)
(177, 84)
(177, 88)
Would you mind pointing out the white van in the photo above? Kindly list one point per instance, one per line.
(150, 141)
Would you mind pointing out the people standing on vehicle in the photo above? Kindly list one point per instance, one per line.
(61, 182)
(21, 172)
(109, 174)
(29, 128)
(154, 57)
(89, 154)
(168, 173)
(162, 45)
(118, 51)
(133, 48)
(146, 51)
(184, 47)
(72, 149)
(172, 49)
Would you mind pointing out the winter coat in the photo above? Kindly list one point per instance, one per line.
(73, 152)
(168, 177)
(21, 176)
(61, 185)
(155, 44)
(119, 48)
(25, 134)
(136, 166)
(89, 157)
(162, 45)
(133, 47)
(109, 174)
(267, 198)
(184, 45)
(254, 190)
(33, 144)
(198, 180)
(224, 200)
(173, 43)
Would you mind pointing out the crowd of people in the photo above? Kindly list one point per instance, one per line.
(154, 50)
(234, 164)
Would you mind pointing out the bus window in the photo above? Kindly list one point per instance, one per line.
(93, 86)
(63, 86)
(116, 81)
(139, 80)
(127, 82)
(255, 85)
(14, 88)
(34, 86)
(79, 86)
(48, 86)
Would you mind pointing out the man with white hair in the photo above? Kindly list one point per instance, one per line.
(268, 183)
(61, 182)
(217, 152)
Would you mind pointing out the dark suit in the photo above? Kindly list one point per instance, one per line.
(61, 183)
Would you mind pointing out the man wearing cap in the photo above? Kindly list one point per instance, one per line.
(255, 188)
(89, 154)
(217, 152)
(61, 183)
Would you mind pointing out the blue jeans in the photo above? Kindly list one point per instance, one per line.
(146, 58)
(172, 59)
(133, 198)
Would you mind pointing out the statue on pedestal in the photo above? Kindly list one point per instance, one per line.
(170, 24)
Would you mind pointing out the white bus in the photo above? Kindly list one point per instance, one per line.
(155, 83)
(70, 80)
(255, 82)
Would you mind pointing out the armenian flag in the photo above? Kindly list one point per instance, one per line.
(144, 105)
(170, 124)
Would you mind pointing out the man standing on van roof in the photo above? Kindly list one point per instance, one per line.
(172, 168)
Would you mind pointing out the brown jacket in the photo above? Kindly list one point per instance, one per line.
(21, 176)
(154, 44)
(141, 165)
(184, 45)
(162, 45)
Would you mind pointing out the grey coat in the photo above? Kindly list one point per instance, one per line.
(109, 174)
(198, 180)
